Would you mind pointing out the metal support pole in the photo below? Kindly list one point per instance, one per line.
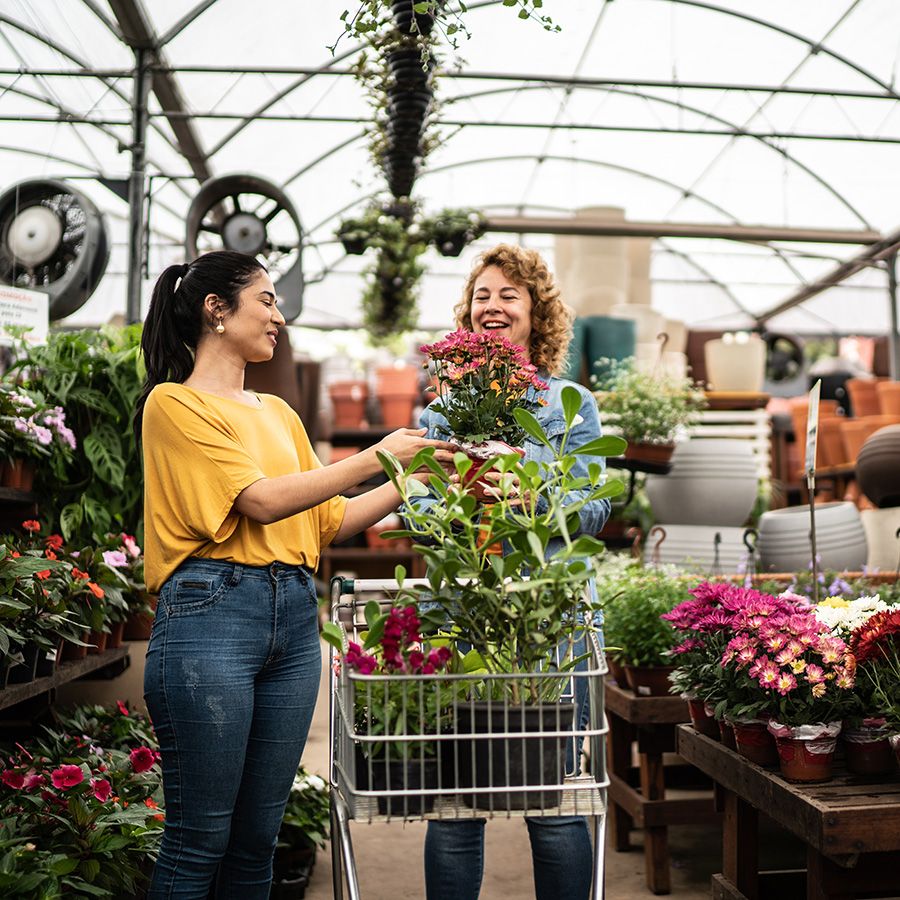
(136, 182)
(894, 337)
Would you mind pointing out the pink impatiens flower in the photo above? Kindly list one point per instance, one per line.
(101, 789)
(142, 759)
(13, 779)
(66, 777)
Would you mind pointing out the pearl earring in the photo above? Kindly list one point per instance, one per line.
(220, 328)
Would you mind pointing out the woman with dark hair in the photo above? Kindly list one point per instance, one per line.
(236, 511)
(511, 292)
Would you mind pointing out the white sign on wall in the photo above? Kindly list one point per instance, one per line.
(24, 308)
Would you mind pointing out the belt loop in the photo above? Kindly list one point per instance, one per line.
(237, 573)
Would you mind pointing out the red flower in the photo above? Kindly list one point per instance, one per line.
(101, 789)
(78, 574)
(96, 590)
(42, 575)
(66, 777)
(122, 707)
(34, 781)
(142, 759)
(15, 780)
(31, 525)
(150, 803)
(54, 542)
(49, 554)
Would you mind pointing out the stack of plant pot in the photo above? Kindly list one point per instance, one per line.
(878, 473)
(703, 503)
(409, 97)
(398, 392)
(348, 401)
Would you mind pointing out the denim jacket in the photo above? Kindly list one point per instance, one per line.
(593, 514)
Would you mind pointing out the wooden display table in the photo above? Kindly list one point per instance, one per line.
(651, 721)
(851, 826)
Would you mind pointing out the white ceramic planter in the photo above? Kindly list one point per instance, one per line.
(784, 546)
(735, 366)
(692, 548)
(712, 482)
(884, 547)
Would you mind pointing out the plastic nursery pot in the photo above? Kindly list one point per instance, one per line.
(72, 651)
(404, 778)
(867, 751)
(479, 454)
(97, 640)
(138, 625)
(617, 671)
(659, 454)
(753, 741)
(726, 734)
(649, 681)
(806, 754)
(703, 721)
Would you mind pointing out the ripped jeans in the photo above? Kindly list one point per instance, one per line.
(231, 681)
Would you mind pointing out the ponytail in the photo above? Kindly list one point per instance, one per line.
(176, 319)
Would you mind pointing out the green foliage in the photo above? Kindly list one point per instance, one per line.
(513, 609)
(647, 408)
(307, 815)
(633, 599)
(95, 375)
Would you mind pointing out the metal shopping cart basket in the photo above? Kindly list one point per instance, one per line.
(490, 757)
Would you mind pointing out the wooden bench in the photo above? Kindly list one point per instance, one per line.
(851, 827)
(651, 722)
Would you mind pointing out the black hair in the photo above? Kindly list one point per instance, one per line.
(176, 317)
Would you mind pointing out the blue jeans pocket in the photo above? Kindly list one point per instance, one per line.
(192, 592)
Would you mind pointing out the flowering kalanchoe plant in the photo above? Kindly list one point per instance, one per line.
(388, 704)
(876, 647)
(482, 378)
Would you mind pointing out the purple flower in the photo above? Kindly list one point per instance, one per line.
(115, 558)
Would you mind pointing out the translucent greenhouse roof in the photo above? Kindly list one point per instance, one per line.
(754, 112)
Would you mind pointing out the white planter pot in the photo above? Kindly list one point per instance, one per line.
(735, 366)
(692, 548)
(784, 546)
(881, 528)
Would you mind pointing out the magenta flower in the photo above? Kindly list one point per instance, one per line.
(786, 683)
(101, 789)
(142, 759)
(66, 777)
(13, 779)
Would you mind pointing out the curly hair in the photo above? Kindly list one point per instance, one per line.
(551, 319)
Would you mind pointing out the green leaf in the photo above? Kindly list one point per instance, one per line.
(530, 425)
(64, 866)
(400, 574)
(421, 7)
(571, 401)
(604, 446)
(104, 450)
(372, 612)
(536, 547)
(70, 519)
(334, 635)
(509, 2)
(523, 13)
(90, 868)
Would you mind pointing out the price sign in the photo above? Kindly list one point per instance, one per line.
(812, 427)
(24, 309)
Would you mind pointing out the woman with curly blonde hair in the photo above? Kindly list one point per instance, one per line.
(512, 293)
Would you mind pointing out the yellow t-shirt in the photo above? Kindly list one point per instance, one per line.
(200, 452)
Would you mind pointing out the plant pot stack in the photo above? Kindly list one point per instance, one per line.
(710, 491)
(348, 400)
(878, 472)
(398, 392)
(409, 98)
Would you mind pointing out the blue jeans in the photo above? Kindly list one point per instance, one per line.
(231, 680)
(561, 854)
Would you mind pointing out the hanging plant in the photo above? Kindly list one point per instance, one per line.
(452, 229)
(424, 18)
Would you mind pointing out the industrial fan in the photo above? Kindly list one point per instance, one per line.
(52, 239)
(251, 215)
(785, 367)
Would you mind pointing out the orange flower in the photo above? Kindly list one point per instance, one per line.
(31, 525)
(49, 554)
(42, 575)
(96, 590)
(15, 554)
(54, 542)
(77, 573)
(151, 803)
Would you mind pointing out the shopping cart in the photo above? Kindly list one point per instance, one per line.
(490, 757)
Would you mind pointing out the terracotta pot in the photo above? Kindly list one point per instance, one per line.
(18, 474)
(397, 380)
(138, 626)
(72, 651)
(877, 467)
(658, 454)
(98, 641)
(726, 734)
(830, 443)
(863, 396)
(888, 397)
(799, 408)
(649, 681)
(867, 751)
(806, 761)
(348, 399)
(703, 722)
(397, 409)
(479, 454)
(617, 671)
(116, 634)
(753, 742)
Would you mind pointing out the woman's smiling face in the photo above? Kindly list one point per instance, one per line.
(502, 306)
